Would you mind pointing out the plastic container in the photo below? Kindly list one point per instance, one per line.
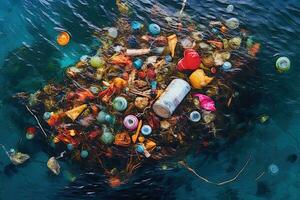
(191, 60)
(120, 104)
(171, 98)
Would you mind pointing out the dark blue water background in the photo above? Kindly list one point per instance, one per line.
(29, 58)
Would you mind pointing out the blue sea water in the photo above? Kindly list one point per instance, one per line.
(29, 58)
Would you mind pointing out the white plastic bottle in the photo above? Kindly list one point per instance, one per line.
(171, 98)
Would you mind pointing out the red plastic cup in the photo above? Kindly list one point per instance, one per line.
(191, 60)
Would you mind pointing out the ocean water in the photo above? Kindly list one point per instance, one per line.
(29, 58)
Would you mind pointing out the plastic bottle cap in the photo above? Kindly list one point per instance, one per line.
(135, 25)
(63, 38)
(47, 115)
(84, 154)
(154, 29)
(146, 130)
(70, 147)
(29, 136)
(140, 148)
(283, 64)
(273, 169)
(138, 63)
(130, 122)
(120, 103)
(195, 116)
(226, 66)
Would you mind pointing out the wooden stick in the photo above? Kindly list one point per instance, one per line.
(216, 183)
(37, 120)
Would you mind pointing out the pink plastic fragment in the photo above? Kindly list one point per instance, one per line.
(206, 102)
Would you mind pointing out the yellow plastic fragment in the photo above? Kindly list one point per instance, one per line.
(75, 112)
(172, 41)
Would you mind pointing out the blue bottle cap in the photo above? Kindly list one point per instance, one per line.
(195, 116)
(47, 115)
(135, 25)
(84, 154)
(138, 63)
(273, 169)
(146, 130)
(168, 58)
(226, 66)
(153, 85)
(70, 147)
(214, 30)
(154, 29)
(140, 148)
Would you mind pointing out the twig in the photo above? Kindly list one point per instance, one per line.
(261, 175)
(37, 120)
(216, 183)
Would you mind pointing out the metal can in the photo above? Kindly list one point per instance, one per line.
(171, 98)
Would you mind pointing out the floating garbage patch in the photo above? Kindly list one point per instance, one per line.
(151, 92)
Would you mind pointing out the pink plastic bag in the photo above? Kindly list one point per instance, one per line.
(206, 102)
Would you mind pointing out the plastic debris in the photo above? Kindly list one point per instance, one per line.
(75, 112)
(273, 169)
(195, 116)
(230, 8)
(283, 64)
(53, 165)
(135, 98)
(171, 98)
(172, 41)
(232, 23)
(18, 158)
(63, 38)
(206, 102)
(199, 79)
(191, 60)
(154, 29)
